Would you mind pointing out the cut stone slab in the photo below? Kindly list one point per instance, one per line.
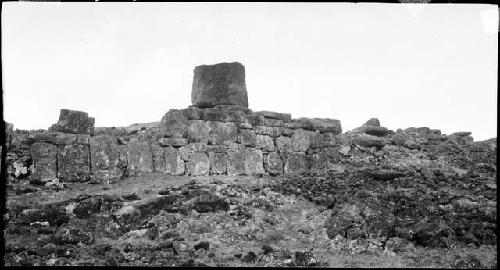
(73, 163)
(76, 122)
(265, 143)
(324, 125)
(173, 163)
(140, 158)
(372, 130)
(301, 140)
(219, 84)
(271, 131)
(236, 160)
(368, 140)
(198, 164)
(285, 117)
(221, 133)
(45, 162)
(198, 131)
(254, 162)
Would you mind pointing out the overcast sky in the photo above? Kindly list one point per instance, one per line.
(124, 63)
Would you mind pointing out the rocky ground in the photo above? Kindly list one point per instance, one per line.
(335, 220)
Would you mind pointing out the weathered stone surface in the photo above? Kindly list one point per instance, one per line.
(296, 163)
(106, 161)
(174, 124)
(73, 163)
(76, 122)
(221, 133)
(285, 117)
(198, 164)
(273, 163)
(247, 137)
(271, 131)
(198, 131)
(254, 163)
(218, 162)
(368, 140)
(140, 158)
(372, 122)
(301, 140)
(284, 144)
(268, 122)
(325, 159)
(175, 142)
(236, 160)
(186, 151)
(58, 138)
(265, 143)
(372, 130)
(219, 84)
(173, 162)
(45, 162)
(159, 164)
(324, 125)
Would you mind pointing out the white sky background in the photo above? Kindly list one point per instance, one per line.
(127, 63)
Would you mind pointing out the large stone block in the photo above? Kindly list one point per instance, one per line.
(284, 144)
(58, 138)
(325, 159)
(77, 122)
(368, 140)
(174, 124)
(198, 164)
(301, 140)
(219, 84)
(159, 164)
(296, 163)
(265, 142)
(186, 151)
(218, 162)
(140, 158)
(247, 137)
(175, 142)
(45, 162)
(254, 162)
(73, 163)
(271, 131)
(273, 163)
(285, 117)
(221, 133)
(236, 159)
(173, 162)
(324, 125)
(198, 131)
(107, 160)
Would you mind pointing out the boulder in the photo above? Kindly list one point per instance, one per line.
(76, 122)
(372, 130)
(45, 162)
(73, 163)
(254, 161)
(368, 140)
(174, 124)
(372, 122)
(273, 163)
(219, 84)
(284, 144)
(140, 158)
(198, 164)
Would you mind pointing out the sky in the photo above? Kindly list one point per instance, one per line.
(431, 65)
